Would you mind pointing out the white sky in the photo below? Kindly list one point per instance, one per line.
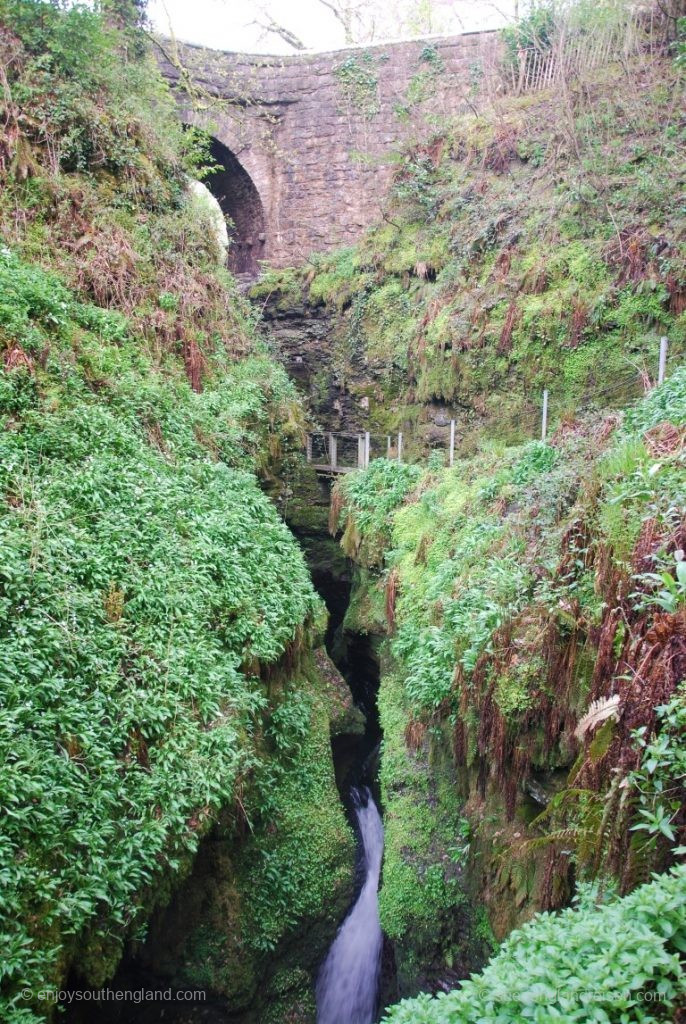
(226, 24)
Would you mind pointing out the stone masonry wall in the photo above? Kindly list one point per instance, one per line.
(317, 133)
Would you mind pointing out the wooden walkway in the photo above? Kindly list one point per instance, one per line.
(337, 452)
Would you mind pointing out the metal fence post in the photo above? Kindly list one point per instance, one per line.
(308, 447)
(366, 448)
(544, 422)
(333, 450)
(360, 451)
(451, 453)
(400, 446)
(388, 447)
(662, 364)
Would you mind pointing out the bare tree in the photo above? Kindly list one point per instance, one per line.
(365, 21)
(358, 19)
(270, 26)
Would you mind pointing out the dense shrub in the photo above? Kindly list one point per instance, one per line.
(615, 964)
(94, 167)
(83, 96)
(144, 578)
(368, 500)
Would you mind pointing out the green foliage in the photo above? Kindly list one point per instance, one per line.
(668, 402)
(531, 34)
(637, 485)
(415, 187)
(680, 44)
(96, 160)
(537, 457)
(332, 284)
(69, 60)
(289, 724)
(369, 498)
(359, 84)
(618, 964)
(144, 578)
(422, 85)
(499, 569)
(460, 578)
(666, 590)
(426, 839)
(300, 862)
(36, 307)
(661, 779)
(147, 586)
(465, 568)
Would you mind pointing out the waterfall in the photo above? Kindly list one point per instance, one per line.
(349, 978)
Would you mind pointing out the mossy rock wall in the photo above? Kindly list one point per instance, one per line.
(503, 267)
(254, 919)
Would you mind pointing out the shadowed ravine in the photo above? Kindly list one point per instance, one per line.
(348, 982)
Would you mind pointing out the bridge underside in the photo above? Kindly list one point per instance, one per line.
(240, 201)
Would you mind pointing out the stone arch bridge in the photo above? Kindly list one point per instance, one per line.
(306, 142)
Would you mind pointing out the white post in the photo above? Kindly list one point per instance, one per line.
(333, 450)
(544, 423)
(662, 365)
(366, 449)
(308, 447)
(451, 455)
(360, 451)
(400, 446)
(388, 447)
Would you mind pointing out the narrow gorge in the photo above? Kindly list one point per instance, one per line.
(343, 522)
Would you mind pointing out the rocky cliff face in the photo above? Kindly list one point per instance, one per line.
(335, 388)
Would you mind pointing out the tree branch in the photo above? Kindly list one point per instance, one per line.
(274, 28)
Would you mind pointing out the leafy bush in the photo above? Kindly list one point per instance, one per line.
(84, 91)
(667, 402)
(296, 869)
(532, 34)
(661, 779)
(616, 964)
(96, 159)
(144, 579)
(368, 498)
(461, 577)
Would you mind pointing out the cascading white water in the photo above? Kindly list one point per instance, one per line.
(349, 978)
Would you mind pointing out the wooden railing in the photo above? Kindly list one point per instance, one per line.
(341, 452)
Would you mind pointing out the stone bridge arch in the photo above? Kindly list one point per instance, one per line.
(242, 204)
(317, 134)
(242, 186)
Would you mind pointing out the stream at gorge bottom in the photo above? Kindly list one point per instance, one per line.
(348, 982)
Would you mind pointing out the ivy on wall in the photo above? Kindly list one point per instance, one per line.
(359, 84)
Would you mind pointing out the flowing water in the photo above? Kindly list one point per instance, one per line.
(348, 982)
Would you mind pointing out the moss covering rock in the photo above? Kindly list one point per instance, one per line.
(254, 919)
(518, 593)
